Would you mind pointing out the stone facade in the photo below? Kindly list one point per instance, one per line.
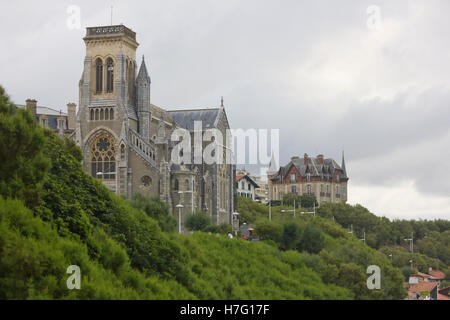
(322, 178)
(126, 140)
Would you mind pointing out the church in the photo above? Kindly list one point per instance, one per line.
(126, 140)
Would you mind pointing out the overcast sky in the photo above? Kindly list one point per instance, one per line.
(323, 72)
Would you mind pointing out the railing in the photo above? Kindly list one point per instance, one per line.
(119, 30)
(142, 147)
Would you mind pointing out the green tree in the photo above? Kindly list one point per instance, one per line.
(198, 221)
(269, 230)
(291, 235)
(22, 163)
(156, 209)
(312, 240)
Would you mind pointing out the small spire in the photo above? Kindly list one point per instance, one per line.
(344, 171)
(221, 101)
(143, 73)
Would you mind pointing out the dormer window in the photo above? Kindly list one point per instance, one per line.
(293, 177)
(308, 177)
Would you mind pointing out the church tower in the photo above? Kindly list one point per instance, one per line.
(108, 127)
(143, 100)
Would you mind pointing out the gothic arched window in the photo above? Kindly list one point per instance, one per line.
(99, 76)
(109, 75)
(176, 185)
(92, 114)
(103, 157)
(111, 114)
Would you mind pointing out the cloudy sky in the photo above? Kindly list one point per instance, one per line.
(331, 75)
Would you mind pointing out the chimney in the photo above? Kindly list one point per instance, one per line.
(320, 158)
(71, 115)
(295, 158)
(305, 159)
(31, 105)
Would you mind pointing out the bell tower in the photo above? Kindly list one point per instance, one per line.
(107, 107)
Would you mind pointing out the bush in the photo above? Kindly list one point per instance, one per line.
(312, 240)
(291, 236)
(198, 221)
(268, 230)
(156, 209)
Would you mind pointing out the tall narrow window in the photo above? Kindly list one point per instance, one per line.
(109, 75)
(92, 114)
(103, 161)
(99, 76)
(176, 185)
(111, 114)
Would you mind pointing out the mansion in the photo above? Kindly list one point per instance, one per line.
(319, 177)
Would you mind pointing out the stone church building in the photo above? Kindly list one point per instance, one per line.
(126, 140)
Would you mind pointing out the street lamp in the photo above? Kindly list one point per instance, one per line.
(364, 239)
(192, 198)
(180, 206)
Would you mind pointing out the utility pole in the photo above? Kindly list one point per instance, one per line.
(270, 210)
(294, 207)
(411, 242)
(364, 239)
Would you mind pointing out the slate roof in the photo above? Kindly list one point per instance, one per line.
(242, 176)
(186, 118)
(143, 73)
(52, 116)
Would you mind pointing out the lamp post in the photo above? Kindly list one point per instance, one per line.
(270, 210)
(180, 206)
(364, 239)
(192, 198)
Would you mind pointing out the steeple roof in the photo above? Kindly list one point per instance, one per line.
(344, 171)
(143, 73)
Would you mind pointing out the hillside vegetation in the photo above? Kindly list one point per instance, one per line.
(53, 215)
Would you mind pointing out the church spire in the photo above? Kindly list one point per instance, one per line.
(273, 168)
(344, 171)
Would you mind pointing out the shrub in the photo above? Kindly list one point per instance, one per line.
(268, 230)
(198, 221)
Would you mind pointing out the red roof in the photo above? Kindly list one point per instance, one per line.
(423, 275)
(443, 297)
(239, 177)
(422, 286)
(437, 274)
